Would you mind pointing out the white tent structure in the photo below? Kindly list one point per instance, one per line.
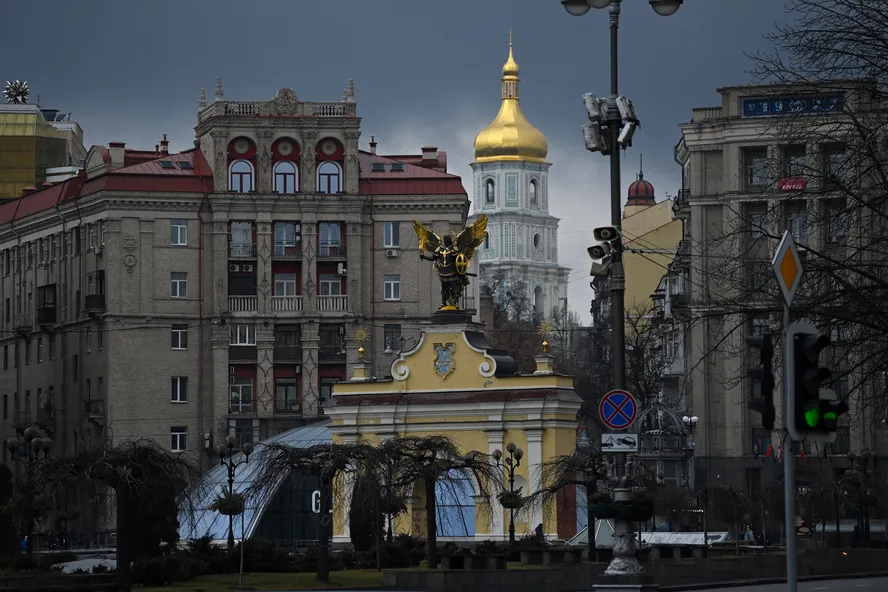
(604, 537)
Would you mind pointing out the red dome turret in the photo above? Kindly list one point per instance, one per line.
(641, 192)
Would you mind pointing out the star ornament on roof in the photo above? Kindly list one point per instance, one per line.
(545, 328)
(17, 92)
(361, 335)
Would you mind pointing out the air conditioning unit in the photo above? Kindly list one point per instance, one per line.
(233, 267)
(341, 270)
(392, 253)
(247, 267)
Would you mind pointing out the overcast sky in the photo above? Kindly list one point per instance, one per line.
(426, 72)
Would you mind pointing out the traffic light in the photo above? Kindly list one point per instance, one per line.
(764, 373)
(813, 411)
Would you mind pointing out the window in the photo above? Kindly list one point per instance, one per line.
(327, 388)
(836, 166)
(757, 215)
(241, 239)
(330, 239)
(285, 177)
(100, 339)
(179, 337)
(532, 191)
(178, 439)
(287, 239)
(178, 232)
(392, 235)
(30, 249)
(179, 389)
(285, 284)
(240, 178)
(54, 247)
(487, 241)
(89, 340)
(755, 162)
(331, 285)
(759, 326)
(489, 192)
(243, 335)
(44, 250)
(287, 344)
(329, 178)
(760, 275)
(392, 336)
(392, 287)
(761, 438)
(241, 395)
(795, 161)
(93, 236)
(286, 395)
(244, 431)
(797, 220)
(837, 221)
(840, 332)
(178, 284)
(536, 240)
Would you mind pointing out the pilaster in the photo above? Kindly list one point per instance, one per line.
(351, 162)
(264, 277)
(220, 160)
(497, 523)
(310, 393)
(309, 141)
(534, 460)
(218, 244)
(263, 160)
(354, 264)
(221, 335)
(265, 371)
(309, 266)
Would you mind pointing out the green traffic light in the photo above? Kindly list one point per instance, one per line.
(812, 417)
(830, 415)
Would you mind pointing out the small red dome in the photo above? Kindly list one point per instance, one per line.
(641, 193)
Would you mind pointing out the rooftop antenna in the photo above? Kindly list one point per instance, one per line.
(640, 166)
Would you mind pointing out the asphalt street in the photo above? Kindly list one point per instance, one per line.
(855, 585)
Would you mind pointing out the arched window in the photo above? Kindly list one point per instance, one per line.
(240, 177)
(455, 506)
(286, 177)
(532, 191)
(489, 192)
(329, 178)
(538, 300)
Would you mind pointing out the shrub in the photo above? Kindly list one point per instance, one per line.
(489, 548)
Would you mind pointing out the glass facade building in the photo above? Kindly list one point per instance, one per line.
(28, 146)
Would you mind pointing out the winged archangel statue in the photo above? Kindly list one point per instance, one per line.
(451, 257)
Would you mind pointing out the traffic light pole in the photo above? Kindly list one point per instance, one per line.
(789, 488)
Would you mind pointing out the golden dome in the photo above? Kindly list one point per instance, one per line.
(510, 136)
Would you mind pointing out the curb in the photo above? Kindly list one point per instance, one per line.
(767, 581)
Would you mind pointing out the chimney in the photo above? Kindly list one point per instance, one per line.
(117, 150)
(164, 146)
(429, 153)
(157, 149)
(46, 184)
(26, 191)
(372, 144)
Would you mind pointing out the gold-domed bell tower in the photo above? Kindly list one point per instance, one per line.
(511, 187)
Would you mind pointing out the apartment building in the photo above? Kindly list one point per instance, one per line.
(216, 290)
(766, 159)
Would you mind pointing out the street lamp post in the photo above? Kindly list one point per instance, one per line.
(226, 459)
(690, 424)
(34, 444)
(625, 562)
(512, 462)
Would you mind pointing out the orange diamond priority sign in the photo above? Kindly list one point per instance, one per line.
(787, 266)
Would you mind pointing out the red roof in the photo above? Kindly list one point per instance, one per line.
(143, 171)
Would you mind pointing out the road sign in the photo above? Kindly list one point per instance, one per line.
(787, 266)
(618, 409)
(619, 442)
(316, 501)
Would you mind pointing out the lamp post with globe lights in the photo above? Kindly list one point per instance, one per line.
(226, 459)
(28, 450)
(512, 462)
(617, 115)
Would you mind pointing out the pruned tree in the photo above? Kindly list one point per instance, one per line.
(729, 505)
(327, 462)
(437, 461)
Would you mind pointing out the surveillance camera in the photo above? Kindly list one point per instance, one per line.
(600, 270)
(592, 138)
(627, 109)
(599, 251)
(625, 137)
(593, 107)
(606, 234)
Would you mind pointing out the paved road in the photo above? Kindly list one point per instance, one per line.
(857, 585)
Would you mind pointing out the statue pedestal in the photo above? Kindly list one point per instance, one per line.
(451, 317)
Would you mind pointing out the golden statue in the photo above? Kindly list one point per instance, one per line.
(451, 257)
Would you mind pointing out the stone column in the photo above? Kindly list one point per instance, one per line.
(264, 371)
(218, 381)
(309, 265)
(263, 161)
(351, 185)
(264, 277)
(309, 142)
(218, 245)
(534, 458)
(310, 392)
(219, 161)
(497, 524)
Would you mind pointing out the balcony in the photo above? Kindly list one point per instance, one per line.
(241, 250)
(242, 353)
(46, 315)
(21, 322)
(243, 303)
(94, 302)
(332, 303)
(288, 353)
(286, 303)
(331, 353)
(94, 408)
(287, 250)
(236, 406)
(287, 407)
(332, 250)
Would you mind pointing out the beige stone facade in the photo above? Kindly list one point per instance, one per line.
(149, 297)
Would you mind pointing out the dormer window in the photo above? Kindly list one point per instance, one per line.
(489, 192)
(240, 177)
(532, 191)
(286, 177)
(329, 177)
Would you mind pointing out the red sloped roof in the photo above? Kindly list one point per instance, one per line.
(413, 180)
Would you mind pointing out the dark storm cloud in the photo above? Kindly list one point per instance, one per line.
(425, 72)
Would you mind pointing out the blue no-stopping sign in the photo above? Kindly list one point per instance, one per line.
(618, 409)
